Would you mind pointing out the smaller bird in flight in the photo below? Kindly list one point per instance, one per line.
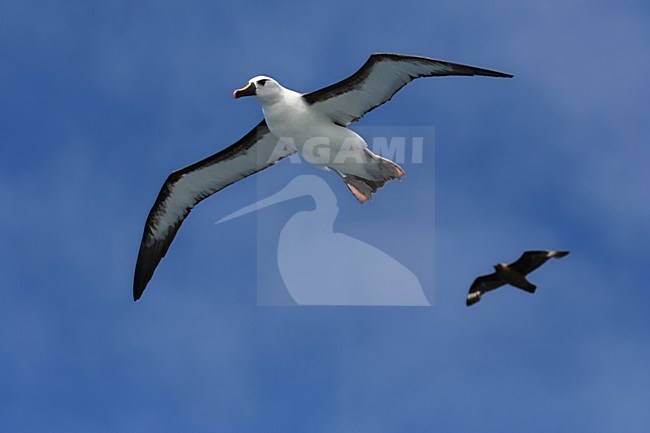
(513, 274)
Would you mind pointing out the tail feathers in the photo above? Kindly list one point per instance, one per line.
(530, 288)
(383, 171)
(389, 169)
(473, 298)
(381, 168)
(558, 254)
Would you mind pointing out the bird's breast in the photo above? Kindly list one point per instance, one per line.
(512, 277)
(311, 133)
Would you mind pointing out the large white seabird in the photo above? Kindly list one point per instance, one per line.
(313, 124)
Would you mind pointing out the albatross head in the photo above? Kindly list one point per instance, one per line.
(263, 88)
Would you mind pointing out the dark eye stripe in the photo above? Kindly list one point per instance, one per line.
(262, 81)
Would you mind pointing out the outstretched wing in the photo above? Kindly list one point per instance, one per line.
(481, 285)
(185, 188)
(486, 283)
(531, 260)
(378, 80)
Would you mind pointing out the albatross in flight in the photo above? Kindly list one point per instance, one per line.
(313, 124)
(513, 274)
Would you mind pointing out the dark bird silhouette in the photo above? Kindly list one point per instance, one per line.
(513, 274)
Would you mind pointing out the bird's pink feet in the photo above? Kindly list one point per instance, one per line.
(357, 194)
(398, 171)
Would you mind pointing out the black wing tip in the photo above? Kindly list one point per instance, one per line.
(473, 298)
(144, 270)
(488, 72)
(500, 74)
(143, 274)
(138, 289)
(473, 70)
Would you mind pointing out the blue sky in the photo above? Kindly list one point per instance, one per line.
(101, 101)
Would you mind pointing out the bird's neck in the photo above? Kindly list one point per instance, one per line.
(283, 97)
